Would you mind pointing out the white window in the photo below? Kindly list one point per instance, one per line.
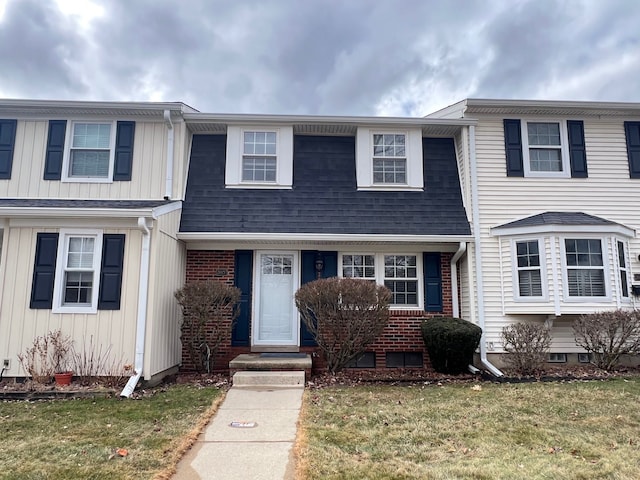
(90, 152)
(259, 157)
(529, 268)
(585, 271)
(545, 148)
(77, 272)
(624, 270)
(400, 273)
(389, 159)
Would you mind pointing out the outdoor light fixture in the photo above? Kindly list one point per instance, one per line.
(319, 264)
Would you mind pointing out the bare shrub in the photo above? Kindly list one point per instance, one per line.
(209, 309)
(527, 345)
(47, 355)
(93, 363)
(344, 315)
(608, 336)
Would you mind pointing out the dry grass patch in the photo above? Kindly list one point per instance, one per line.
(580, 430)
(79, 439)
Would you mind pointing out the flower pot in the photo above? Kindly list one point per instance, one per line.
(63, 378)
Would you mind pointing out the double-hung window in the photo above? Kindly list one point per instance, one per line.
(545, 148)
(585, 267)
(389, 158)
(529, 268)
(77, 278)
(399, 273)
(90, 154)
(259, 156)
(624, 271)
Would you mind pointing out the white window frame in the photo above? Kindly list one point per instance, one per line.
(235, 157)
(606, 269)
(68, 147)
(61, 261)
(515, 270)
(393, 158)
(564, 149)
(622, 269)
(380, 277)
(413, 153)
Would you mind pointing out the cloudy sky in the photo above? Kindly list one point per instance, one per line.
(334, 57)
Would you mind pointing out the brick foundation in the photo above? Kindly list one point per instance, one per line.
(402, 334)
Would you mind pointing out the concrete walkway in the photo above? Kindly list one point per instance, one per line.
(250, 437)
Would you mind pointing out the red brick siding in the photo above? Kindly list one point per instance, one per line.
(403, 333)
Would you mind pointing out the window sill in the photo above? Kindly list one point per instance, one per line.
(390, 188)
(89, 310)
(85, 180)
(261, 186)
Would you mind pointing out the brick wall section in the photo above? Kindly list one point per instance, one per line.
(403, 333)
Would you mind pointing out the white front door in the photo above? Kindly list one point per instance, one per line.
(276, 317)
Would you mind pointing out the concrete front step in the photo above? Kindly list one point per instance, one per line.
(271, 361)
(268, 379)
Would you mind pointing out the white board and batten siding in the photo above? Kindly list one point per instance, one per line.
(148, 176)
(166, 275)
(608, 192)
(112, 330)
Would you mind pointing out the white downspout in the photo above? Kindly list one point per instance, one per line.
(168, 190)
(478, 258)
(141, 322)
(454, 278)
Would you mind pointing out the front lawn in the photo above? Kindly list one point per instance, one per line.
(102, 438)
(577, 430)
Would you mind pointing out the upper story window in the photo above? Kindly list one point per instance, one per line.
(529, 268)
(624, 271)
(545, 151)
(389, 159)
(90, 152)
(259, 157)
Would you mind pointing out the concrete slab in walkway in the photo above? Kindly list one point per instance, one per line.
(264, 452)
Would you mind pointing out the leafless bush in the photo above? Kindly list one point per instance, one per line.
(608, 336)
(93, 363)
(527, 345)
(209, 309)
(344, 315)
(47, 355)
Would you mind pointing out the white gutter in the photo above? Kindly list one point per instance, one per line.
(141, 322)
(168, 191)
(454, 278)
(257, 236)
(478, 257)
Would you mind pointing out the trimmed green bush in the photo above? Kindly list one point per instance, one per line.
(451, 343)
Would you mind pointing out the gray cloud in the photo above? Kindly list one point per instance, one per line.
(406, 57)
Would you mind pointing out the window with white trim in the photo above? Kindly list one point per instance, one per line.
(259, 156)
(529, 268)
(77, 272)
(545, 148)
(90, 151)
(585, 272)
(623, 269)
(389, 158)
(400, 273)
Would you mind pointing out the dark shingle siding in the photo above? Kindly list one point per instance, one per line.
(324, 197)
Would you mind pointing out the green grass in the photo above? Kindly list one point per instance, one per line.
(77, 439)
(582, 430)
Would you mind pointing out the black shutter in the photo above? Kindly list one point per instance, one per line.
(111, 272)
(330, 269)
(44, 271)
(632, 132)
(7, 143)
(577, 149)
(243, 276)
(124, 151)
(513, 148)
(432, 282)
(55, 150)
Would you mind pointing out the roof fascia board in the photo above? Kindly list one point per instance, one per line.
(323, 237)
(554, 229)
(17, 212)
(164, 209)
(585, 105)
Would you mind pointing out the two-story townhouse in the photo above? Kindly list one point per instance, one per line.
(273, 202)
(90, 201)
(554, 195)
